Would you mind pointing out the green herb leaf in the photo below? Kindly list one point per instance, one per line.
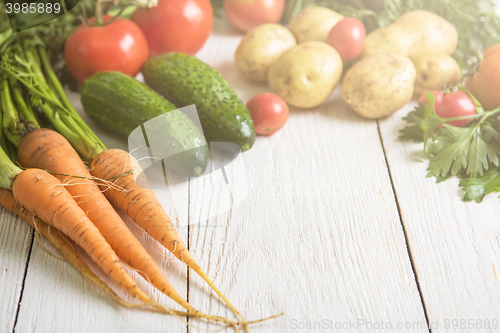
(463, 149)
(477, 188)
(413, 131)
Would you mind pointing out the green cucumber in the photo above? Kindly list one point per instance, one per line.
(186, 80)
(119, 103)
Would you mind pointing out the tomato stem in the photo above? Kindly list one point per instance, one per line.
(98, 12)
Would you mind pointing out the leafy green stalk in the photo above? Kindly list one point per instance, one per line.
(12, 127)
(26, 69)
(8, 170)
(73, 130)
(56, 84)
(5, 35)
(29, 118)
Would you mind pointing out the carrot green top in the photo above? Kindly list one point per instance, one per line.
(28, 69)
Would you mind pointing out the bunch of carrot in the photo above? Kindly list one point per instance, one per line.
(67, 197)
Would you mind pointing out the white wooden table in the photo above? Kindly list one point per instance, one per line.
(341, 230)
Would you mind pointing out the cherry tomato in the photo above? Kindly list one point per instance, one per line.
(485, 84)
(117, 46)
(348, 37)
(269, 113)
(176, 25)
(456, 104)
(247, 14)
(437, 95)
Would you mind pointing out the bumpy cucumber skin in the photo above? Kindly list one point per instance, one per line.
(119, 103)
(186, 80)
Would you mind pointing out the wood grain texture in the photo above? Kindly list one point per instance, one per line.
(455, 244)
(15, 242)
(318, 236)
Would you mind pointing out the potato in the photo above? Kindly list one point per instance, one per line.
(435, 71)
(260, 47)
(379, 85)
(305, 75)
(314, 23)
(413, 34)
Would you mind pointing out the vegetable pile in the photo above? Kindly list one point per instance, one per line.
(407, 51)
(475, 21)
(70, 199)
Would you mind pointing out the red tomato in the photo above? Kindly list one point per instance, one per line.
(118, 46)
(437, 95)
(485, 84)
(247, 14)
(269, 113)
(348, 37)
(456, 104)
(176, 25)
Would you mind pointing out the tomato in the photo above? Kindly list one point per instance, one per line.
(437, 95)
(247, 14)
(269, 113)
(348, 37)
(117, 46)
(493, 50)
(456, 104)
(485, 84)
(176, 25)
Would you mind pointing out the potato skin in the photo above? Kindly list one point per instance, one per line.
(260, 47)
(305, 75)
(413, 34)
(435, 71)
(314, 23)
(379, 85)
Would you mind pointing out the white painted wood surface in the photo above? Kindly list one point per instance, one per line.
(15, 243)
(319, 236)
(455, 245)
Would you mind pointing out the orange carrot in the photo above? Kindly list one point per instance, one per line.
(41, 193)
(57, 239)
(68, 251)
(49, 150)
(143, 207)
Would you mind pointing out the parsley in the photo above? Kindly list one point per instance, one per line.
(471, 152)
(477, 188)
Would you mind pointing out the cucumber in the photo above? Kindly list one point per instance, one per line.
(186, 80)
(119, 103)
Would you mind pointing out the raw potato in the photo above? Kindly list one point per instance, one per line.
(314, 23)
(413, 34)
(306, 75)
(435, 71)
(379, 85)
(260, 48)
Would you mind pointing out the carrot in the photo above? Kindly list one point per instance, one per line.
(44, 85)
(68, 250)
(41, 193)
(57, 239)
(49, 150)
(143, 207)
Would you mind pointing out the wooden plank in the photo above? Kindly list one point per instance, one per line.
(58, 299)
(318, 236)
(15, 243)
(455, 245)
